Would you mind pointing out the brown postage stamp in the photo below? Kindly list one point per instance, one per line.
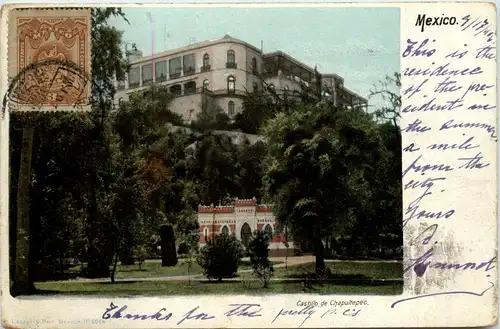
(49, 59)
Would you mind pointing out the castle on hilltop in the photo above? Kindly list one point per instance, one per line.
(241, 219)
(222, 72)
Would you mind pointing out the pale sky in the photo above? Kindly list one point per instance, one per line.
(359, 44)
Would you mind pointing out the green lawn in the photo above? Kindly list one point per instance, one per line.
(357, 278)
(154, 269)
(165, 288)
(347, 270)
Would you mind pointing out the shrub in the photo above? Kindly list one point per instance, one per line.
(258, 249)
(140, 255)
(220, 257)
(188, 248)
(182, 250)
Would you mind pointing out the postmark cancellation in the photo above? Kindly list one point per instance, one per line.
(49, 59)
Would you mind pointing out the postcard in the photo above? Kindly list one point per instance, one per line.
(244, 165)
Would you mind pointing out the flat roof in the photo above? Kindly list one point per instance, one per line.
(195, 46)
(228, 39)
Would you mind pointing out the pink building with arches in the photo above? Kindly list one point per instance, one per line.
(242, 219)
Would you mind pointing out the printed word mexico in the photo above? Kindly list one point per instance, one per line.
(424, 21)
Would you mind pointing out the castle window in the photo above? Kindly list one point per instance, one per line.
(225, 230)
(230, 108)
(231, 83)
(230, 62)
(230, 56)
(254, 65)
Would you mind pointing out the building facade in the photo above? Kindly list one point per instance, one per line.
(220, 73)
(242, 219)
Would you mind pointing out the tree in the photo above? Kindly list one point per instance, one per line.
(388, 91)
(190, 241)
(22, 284)
(220, 257)
(210, 117)
(143, 120)
(107, 61)
(149, 152)
(215, 168)
(318, 162)
(257, 108)
(140, 254)
(378, 230)
(250, 159)
(259, 257)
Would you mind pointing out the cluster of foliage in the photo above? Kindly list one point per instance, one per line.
(220, 257)
(94, 188)
(258, 248)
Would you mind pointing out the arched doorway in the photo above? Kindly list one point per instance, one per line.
(176, 90)
(225, 230)
(269, 230)
(246, 234)
(190, 87)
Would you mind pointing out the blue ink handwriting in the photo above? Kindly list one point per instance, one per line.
(349, 312)
(420, 50)
(307, 311)
(450, 124)
(457, 54)
(416, 127)
(477, 87)
(441, 71)
(445, 293)
(244, 310)
(192, 315)
(415, 167)
(447, 86)
(413, 89)
(485, 107)
(159, 316)
(486, 52)
(413, 210)
(422, 263)
(425, 236)
(473, 162)
(427, 183)
(479, 25)
(445, 146)
(411, 148)
(430, 106)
